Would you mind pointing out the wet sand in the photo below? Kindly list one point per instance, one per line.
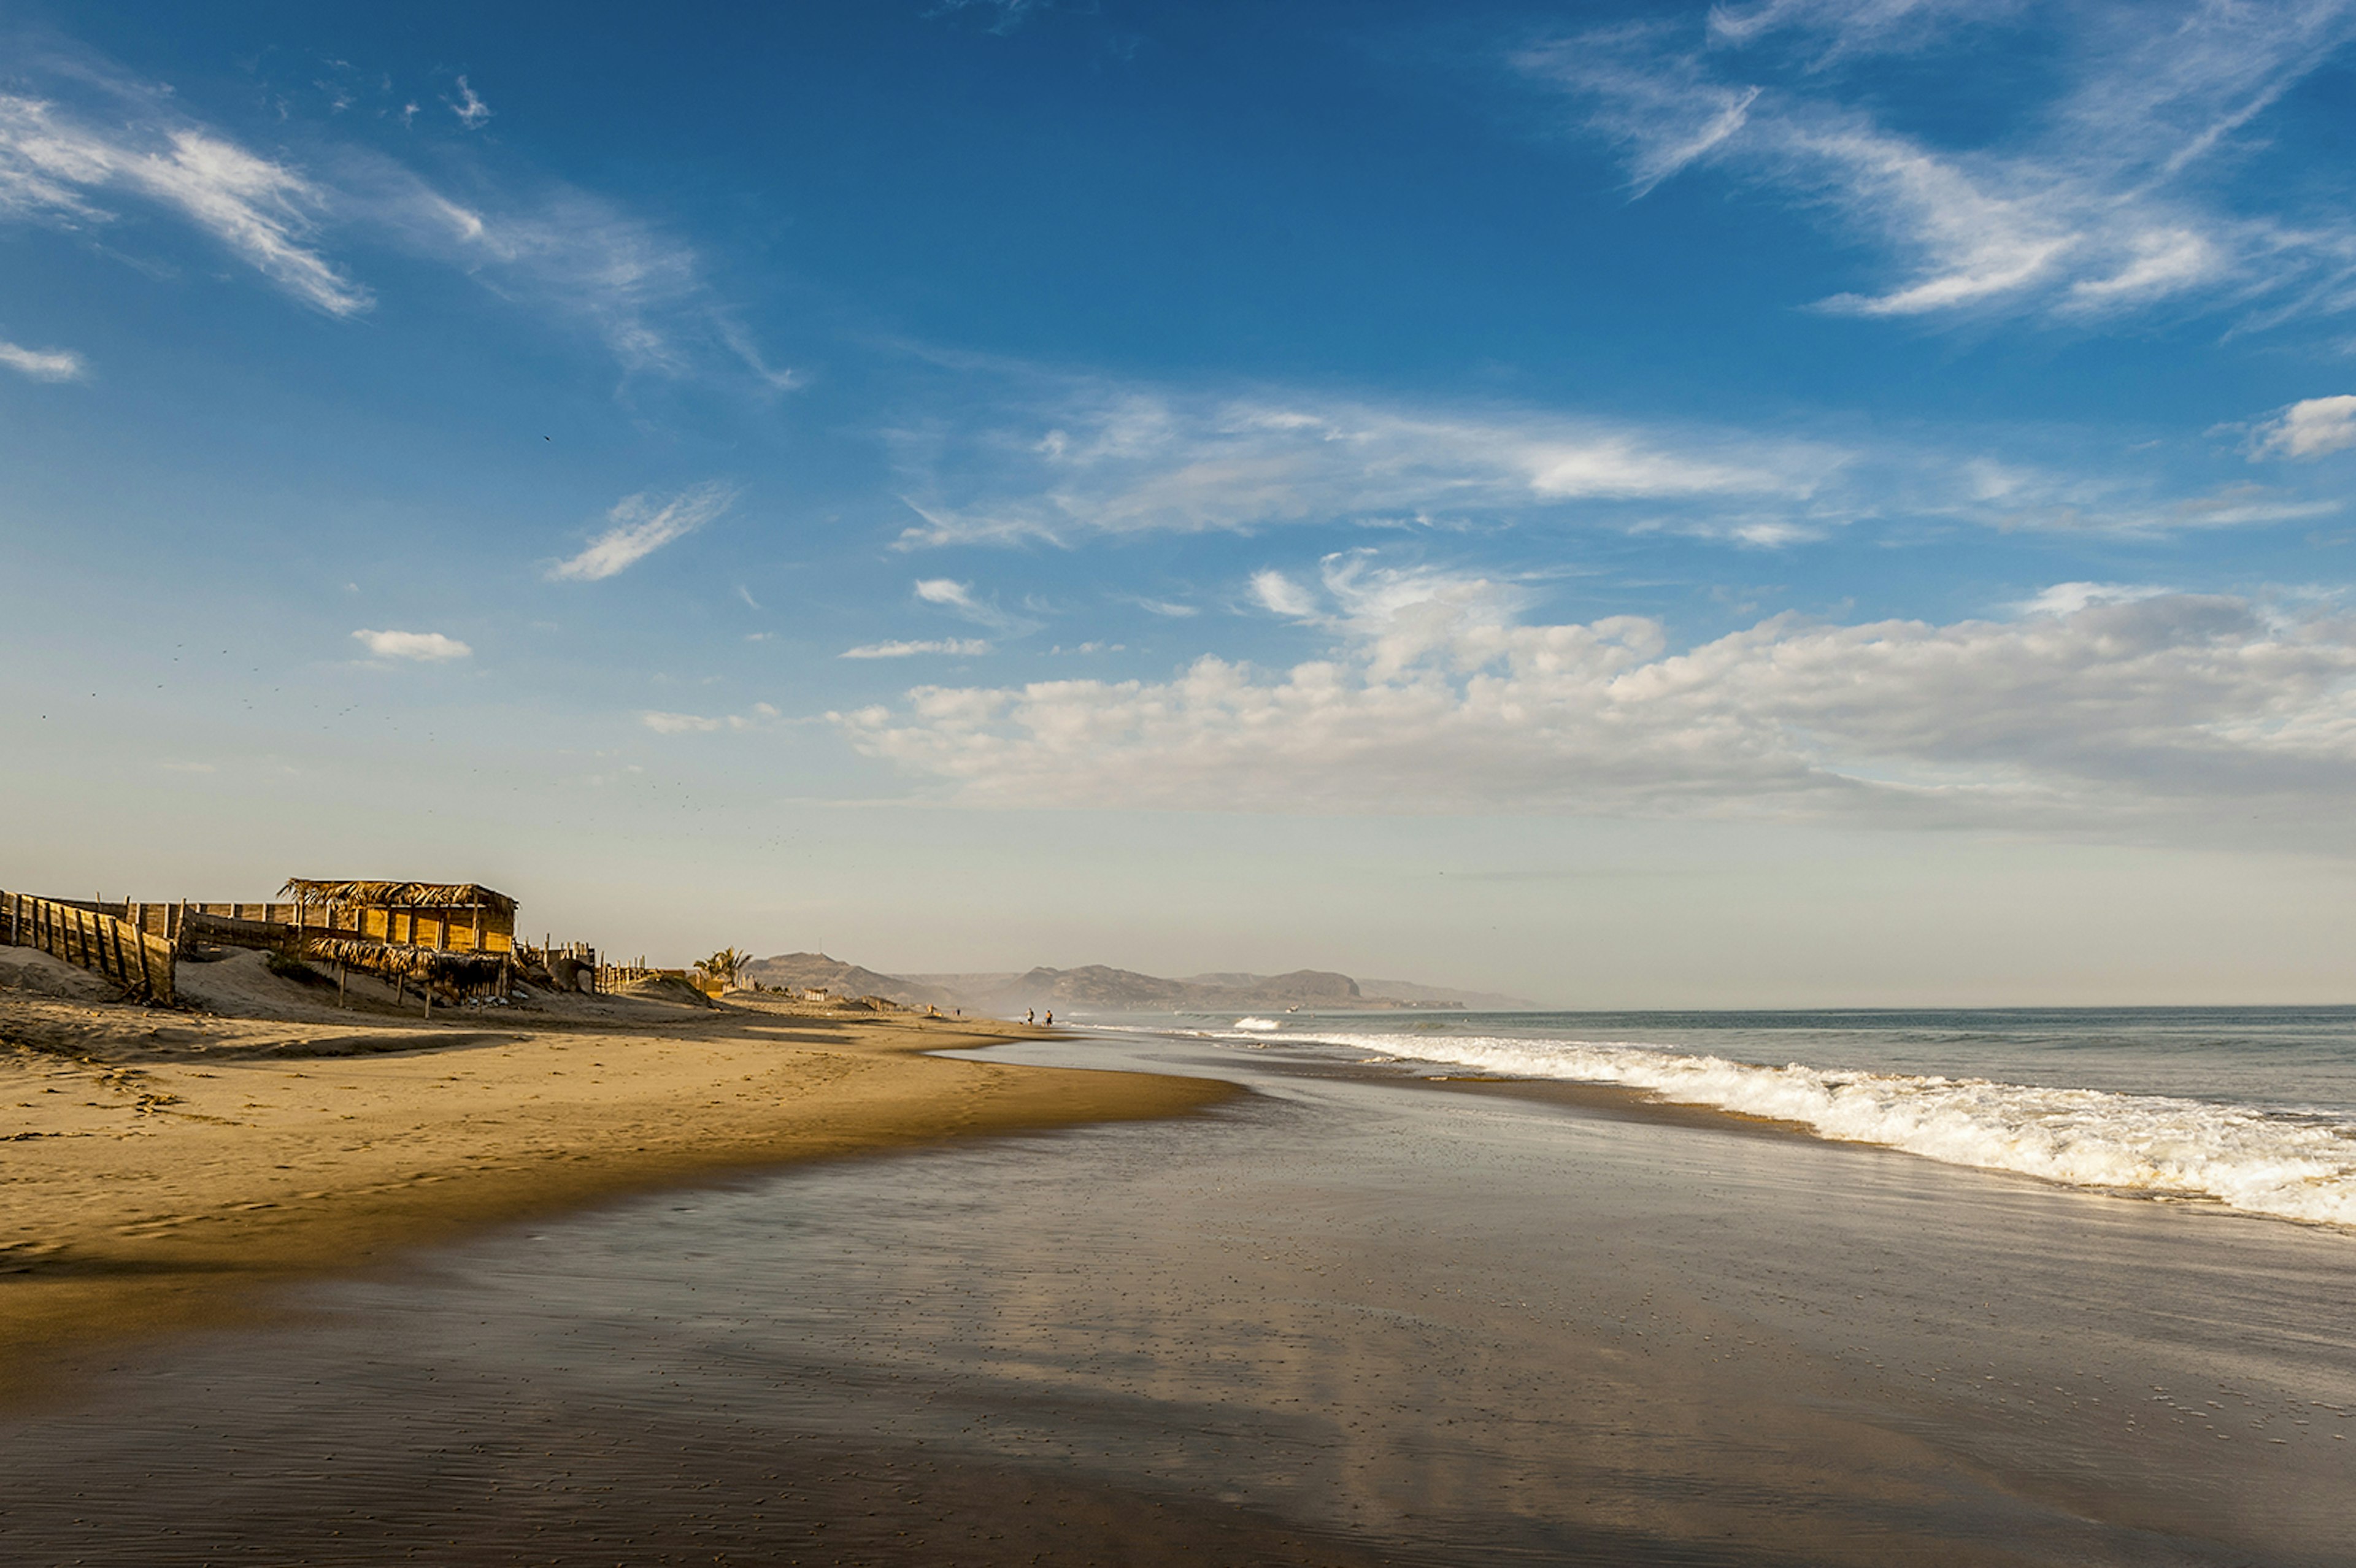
(1349, 1319)
(161, 1166)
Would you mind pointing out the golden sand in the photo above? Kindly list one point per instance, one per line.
(159, 1165)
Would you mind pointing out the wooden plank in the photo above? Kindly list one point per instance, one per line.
(162, 961)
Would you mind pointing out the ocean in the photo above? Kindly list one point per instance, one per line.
(2251, 1108)
(1392, 1306)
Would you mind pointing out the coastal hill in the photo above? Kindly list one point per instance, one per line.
(816, 972)
(1096, 987)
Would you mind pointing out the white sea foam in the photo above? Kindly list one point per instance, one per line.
(1258, 1026)
(2290, 1165)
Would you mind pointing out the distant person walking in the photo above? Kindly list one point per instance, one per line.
(1051, 1018)
(1029, 1016)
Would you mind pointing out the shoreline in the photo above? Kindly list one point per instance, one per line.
(165, 1170)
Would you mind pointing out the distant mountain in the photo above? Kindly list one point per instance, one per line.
(816, 972)
(1476, 1001)
(1096, 987)
(1102, 989)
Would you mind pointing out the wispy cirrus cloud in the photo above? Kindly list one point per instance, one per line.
(964, 647)
(44, 364)
(56, 166)
(641, 525)
(1003, 15)
(2102, 708)
(1101, 458)
(2104, 199)
(90, 144)
(1841, 28)
(960, 598)
(469, 107)
(1064, 460)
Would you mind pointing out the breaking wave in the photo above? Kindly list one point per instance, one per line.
(2289, 1164)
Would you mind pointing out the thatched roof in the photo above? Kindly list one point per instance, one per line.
(399, 958)
(396, 895)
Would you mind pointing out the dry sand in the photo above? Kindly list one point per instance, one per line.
(161, 1164)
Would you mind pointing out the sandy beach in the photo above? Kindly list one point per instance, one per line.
(163, 1165)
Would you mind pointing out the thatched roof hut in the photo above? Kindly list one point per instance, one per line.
(435, 964)
(396, 895)
(461, 916)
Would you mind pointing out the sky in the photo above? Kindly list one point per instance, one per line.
(1793, 503)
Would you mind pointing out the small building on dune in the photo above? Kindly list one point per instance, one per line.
(447, 917)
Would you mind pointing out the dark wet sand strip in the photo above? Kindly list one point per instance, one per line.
(1350, 1319)
(149, 1187)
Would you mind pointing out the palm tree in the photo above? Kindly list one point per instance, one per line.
(722, 965)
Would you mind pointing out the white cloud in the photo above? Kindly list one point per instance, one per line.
(1010, 14)
(1065, 459)
(1842, 28)
(53, 165)
(263, 210)
(557, 250)
(2107, 710)
(2093, 202)
(663, 723)
(469, 107)
(965, 647)
(1280, 595)
(686, 723)
(2069, 598)
(2314, 427)
(959, 598)
(1126, 459)
(946, 590)
(642, 524)
(43, 364)
(426, 648)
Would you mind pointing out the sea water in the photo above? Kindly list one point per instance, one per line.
(2251, 1108)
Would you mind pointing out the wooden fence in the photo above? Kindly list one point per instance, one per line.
(139, 961)
(612, 978)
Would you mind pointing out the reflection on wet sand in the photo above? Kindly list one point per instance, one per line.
(1349, 1320)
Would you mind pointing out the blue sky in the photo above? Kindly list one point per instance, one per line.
(1812, 501)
